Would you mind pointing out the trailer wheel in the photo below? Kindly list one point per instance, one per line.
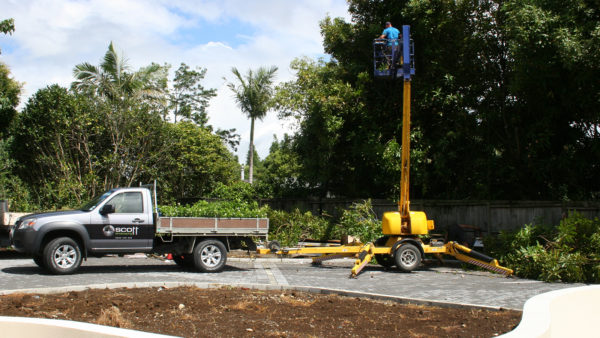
(62, 256)
(408, 257)
(274, 246)
(210, 256)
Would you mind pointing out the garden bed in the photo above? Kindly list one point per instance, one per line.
(194, 312)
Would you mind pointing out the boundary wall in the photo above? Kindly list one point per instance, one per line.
(490, 216)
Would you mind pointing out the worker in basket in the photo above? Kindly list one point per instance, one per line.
(392, 35)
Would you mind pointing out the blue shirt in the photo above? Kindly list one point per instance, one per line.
(391, 33)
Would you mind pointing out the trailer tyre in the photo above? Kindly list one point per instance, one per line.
(408, 257)
(62, 256)
(210, 256)
(274, 246)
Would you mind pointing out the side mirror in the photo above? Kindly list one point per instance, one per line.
(107, 209)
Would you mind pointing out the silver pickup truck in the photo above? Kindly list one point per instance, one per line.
(124, 221)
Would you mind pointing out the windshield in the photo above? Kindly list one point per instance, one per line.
(89, 206)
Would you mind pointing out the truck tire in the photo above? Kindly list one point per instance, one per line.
(408, 257)
(62, 256)
(210, 256)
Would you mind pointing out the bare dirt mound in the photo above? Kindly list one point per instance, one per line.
(193, 312)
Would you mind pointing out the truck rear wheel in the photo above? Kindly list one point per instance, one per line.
(210, 256)
(408, 257)
(62, 256)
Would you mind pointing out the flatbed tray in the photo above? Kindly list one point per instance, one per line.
(210, 225)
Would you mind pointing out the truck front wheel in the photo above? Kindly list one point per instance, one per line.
(210, 256)
(62, 256)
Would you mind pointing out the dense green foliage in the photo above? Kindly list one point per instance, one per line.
(221, 209)
(289, 228)
(193, 162)
(238, 200)
(7, 26)
(280, 171)
(505, 105)
(189, 99)
(9, 98)
(360, 221)
(111, 129)
(504, 102)
(569, 252)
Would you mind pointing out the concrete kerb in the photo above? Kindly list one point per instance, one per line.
(41, 327)
(262, 287)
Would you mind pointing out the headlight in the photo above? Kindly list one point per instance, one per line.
(28, 222)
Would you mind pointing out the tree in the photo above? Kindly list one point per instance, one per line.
(131, 104)
(195, 163)
(253, 95)
(7, 27)
(337, 138)
(189, 99)
(504, 101)
(56, 147)
(282, 169)
(114, 82)
(9, 98)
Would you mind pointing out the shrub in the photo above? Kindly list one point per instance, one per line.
(289, 228)
(359, 221)
(569, 252)
(237, 192)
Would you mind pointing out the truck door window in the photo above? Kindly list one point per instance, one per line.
(127, 203)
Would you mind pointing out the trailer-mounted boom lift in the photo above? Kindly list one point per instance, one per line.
(401, 244)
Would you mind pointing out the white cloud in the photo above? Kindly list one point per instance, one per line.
(52, 36)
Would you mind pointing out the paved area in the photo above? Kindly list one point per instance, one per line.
(433, 283)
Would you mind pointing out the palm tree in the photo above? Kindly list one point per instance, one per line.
(253, 95)
(114, 82)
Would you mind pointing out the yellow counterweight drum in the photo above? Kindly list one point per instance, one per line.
(419, 224)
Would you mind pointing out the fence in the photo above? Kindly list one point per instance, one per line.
(490, 216)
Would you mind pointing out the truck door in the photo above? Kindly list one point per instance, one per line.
(128, 229)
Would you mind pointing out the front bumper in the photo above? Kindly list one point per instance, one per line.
(23, 240)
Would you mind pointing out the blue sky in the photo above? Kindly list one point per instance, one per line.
(52, 36)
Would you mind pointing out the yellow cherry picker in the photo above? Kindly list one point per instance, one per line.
(403, 229)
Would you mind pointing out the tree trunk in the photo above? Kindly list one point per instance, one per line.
(251, 153)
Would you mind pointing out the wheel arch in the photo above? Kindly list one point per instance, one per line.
(55, 230)
(412, 241)
(223, 239)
